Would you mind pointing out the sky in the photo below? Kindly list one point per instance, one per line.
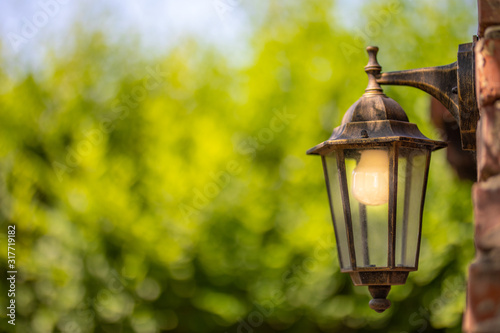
(149, 17)
(30, 28)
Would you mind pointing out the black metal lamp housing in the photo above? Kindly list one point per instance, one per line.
(376, 164)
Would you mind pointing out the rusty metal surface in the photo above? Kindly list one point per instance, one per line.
(453, 85)
(379, 303)
(393, 204)
(379, 278)
(438, 82)
(375, 121)
(468, 112)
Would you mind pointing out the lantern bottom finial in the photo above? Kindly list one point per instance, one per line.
(379, 302)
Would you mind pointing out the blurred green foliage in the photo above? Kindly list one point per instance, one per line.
(175, 193)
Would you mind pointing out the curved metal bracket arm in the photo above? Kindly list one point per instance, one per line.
(453, 85)
(439, 82)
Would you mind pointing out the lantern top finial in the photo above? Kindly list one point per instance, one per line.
(374, 104)
(373, 69)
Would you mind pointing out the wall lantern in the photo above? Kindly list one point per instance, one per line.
(376, 165)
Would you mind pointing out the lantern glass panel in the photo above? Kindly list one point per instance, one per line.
(412, 172)
(367, 175)
(361, 188)
(333, 186)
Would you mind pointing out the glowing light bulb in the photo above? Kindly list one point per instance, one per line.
(370, 178)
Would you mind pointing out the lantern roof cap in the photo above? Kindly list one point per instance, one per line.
(375, 119)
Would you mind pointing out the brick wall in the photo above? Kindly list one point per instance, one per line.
(483, 295)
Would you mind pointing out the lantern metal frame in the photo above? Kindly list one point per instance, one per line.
(376, 121)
